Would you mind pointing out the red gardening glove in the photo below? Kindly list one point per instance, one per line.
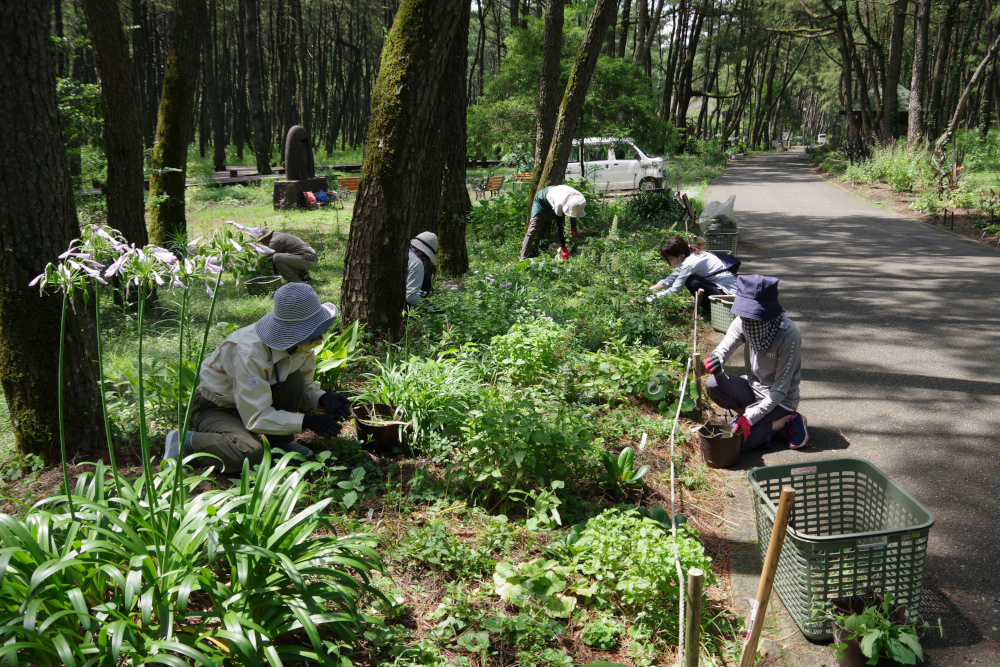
(564, 253)
(713, 364)
(742, 425)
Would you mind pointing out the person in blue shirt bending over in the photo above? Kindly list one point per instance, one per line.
(554, 202)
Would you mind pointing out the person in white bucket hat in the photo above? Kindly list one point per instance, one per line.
(554, 202)
(255, 383)
(420, 267)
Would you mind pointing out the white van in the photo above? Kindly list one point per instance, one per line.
(614, 164)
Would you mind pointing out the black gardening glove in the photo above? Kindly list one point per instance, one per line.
(327, 426)
(335, 404)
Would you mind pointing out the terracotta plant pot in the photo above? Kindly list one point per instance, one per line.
(720, 447)
(377, 437)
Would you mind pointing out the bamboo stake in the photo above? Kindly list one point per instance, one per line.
(699, 368)
(785, 503)
(692, 639)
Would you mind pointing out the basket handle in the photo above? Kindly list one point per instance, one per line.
(873, 545)
(722, 297)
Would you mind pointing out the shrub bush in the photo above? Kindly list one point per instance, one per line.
(511, 443)
(632, 561)
(529, 350)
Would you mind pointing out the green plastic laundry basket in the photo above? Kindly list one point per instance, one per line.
(722, 311)
(853, 530)
(724, 240)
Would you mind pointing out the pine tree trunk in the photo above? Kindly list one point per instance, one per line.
(623, 40)
(215, 110)
(453, 254)
(122, 134)
(915, 130)
(260, 140)
(37, 223)
(576, 91)
(400, 189)
(174, 122)
(890, 96)
(548, 82)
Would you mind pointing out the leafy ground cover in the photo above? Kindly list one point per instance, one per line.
(525, 519)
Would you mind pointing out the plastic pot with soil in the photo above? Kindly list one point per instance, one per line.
(720, 447)
(378, 426)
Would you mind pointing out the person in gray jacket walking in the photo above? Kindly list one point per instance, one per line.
(766, 400)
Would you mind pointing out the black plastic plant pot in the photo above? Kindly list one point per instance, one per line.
(376, 435)
(720, 447)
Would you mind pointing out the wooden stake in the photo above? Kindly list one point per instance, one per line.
(759, 611)
(692, 634)
(695, 354)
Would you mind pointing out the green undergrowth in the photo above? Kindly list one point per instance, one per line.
(521, 521)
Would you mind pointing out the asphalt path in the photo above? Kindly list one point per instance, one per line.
(901, 367)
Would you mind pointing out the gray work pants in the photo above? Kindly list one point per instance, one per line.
(292, 267)
(220, 431)
(733, 392)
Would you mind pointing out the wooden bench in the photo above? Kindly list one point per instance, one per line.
(523, 176)
(348, 185)
(493, 184)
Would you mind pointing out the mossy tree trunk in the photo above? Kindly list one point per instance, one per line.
(37, 223)
(122, 133)
(174, 121)
(401, 177)
(453, 253)
(571, 107)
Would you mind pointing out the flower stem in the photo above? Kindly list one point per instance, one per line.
(59, 398)
(100, 375)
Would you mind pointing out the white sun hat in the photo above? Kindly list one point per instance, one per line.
(575, 205)
(427, 243)
(296, 316)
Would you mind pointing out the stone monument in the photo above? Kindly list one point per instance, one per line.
(300, 171)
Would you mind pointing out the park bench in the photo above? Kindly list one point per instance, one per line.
(348, 185)
(491, 185)
(523, 176)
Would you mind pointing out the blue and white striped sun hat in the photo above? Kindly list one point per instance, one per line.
(297, 316)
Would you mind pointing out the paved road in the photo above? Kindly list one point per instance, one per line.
(901, 367)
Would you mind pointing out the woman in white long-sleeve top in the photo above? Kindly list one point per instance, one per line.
(696, 269)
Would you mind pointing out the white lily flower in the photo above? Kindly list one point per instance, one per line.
(116, 267)
(236, 245)
(36, 279)
(163, 255)
(208, 288)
